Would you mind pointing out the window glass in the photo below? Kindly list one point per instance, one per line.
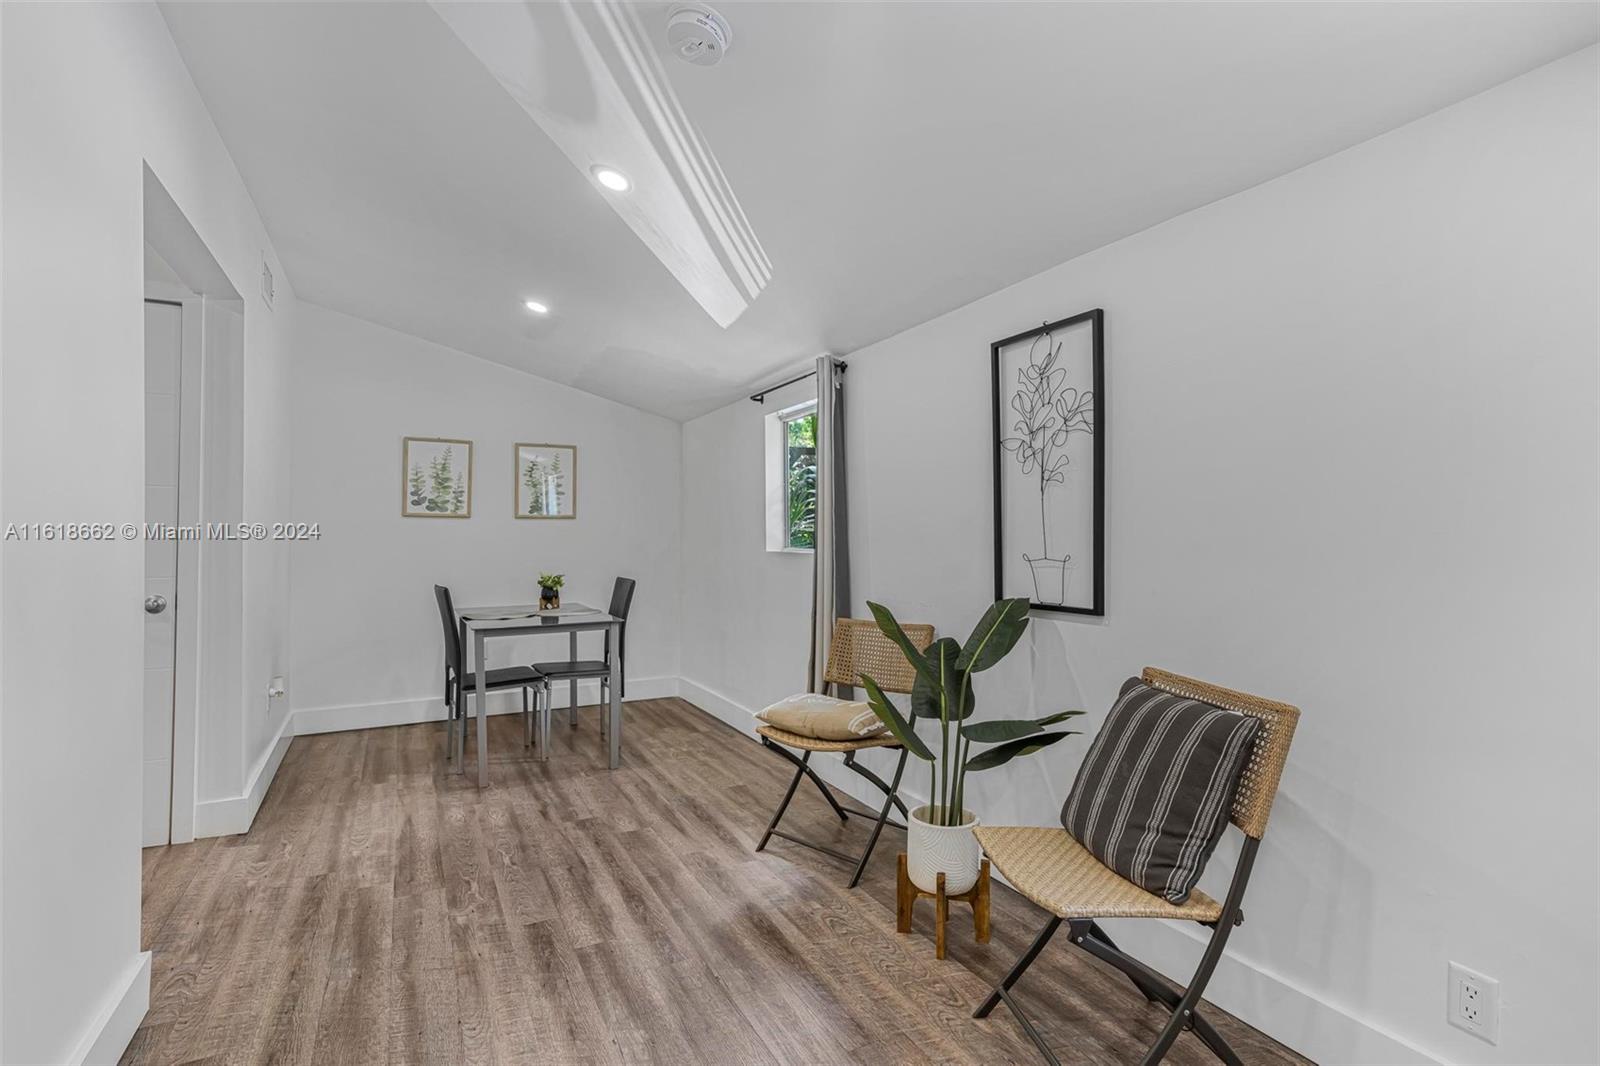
(800, 474)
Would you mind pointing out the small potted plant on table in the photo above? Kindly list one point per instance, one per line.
(939, 836)
(550, 591)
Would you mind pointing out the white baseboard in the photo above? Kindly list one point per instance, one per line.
(113, 1027)
(832, 771)
(718, 706)
(235, 814)
(1270, 1002)
(312, 720)
(1273, 1003)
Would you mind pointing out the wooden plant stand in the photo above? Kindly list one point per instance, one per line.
(977, 897)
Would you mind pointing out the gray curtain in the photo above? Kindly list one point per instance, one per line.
(830, 584)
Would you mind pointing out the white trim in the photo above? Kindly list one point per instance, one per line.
(309, 721)
(2, 589)
(167, 291)
(684, 210)
(113, 1027)
(1292, 1015)
(796, 411)
(204, 291)
(1321, 1031)
(743, 719)
(186, 601)
(718, 706)
(775, 435)
(186, 578)
(235, 814)
(775, 523)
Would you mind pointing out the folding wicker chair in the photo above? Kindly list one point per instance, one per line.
(1060, 875)
(857, 647)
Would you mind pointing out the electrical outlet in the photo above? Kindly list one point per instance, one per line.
(1474, 1003)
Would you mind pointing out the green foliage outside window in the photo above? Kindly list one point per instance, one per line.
(800, 455)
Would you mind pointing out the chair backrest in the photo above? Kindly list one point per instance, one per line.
(621, 601)
(622, 597)
(452, 635)
(1258, 778)
(859, 647)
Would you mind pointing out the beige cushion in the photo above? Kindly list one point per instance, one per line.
(811, 714)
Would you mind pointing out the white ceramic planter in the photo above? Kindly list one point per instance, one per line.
(935, 849)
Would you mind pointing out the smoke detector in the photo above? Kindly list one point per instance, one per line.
(697, 34)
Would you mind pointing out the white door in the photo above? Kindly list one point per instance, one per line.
(163, 346)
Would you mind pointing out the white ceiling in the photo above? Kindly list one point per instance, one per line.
(896, 160)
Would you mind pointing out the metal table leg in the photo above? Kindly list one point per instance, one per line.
(458, 728)
(614, 711)
(544, 726)
(572, 693)
(483, 710)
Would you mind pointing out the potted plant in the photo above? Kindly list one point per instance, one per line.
(550, 591)
(939, 835)
(1049, 412)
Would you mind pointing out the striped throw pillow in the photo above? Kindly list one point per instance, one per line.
(1153, 795)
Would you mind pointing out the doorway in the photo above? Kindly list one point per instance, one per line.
(194, 588)
(163, 397)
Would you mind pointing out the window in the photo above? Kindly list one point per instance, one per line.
(791, 441)
(800, 480)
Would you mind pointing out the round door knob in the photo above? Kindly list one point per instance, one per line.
(155, 604)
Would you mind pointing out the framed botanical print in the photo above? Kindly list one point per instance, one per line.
(547, 480)
(1049, 465)
(435, 478)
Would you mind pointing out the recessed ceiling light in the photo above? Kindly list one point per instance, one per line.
(615, 180)
(536, 307)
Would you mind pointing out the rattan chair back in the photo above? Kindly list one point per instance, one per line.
(859, 647)
(1258, 779)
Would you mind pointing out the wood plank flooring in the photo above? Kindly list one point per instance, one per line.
(382, 910)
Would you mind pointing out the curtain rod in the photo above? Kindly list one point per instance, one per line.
(760, 397)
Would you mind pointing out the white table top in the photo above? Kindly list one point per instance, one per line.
(525, 614)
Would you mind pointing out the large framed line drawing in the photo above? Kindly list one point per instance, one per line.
(435, 477)
(1049, 465)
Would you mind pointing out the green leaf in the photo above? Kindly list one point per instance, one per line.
(1001, 754)
(941, 657)
(993, 732)
(903, 731)
(891, 629)
(996, 633)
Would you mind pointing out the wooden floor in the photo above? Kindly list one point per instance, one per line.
(383, 911)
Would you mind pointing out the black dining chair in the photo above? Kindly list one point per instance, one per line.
(590, 669)
(456, 681)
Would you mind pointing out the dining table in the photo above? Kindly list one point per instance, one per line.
(482, 624)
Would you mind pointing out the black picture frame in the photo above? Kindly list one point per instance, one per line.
(1096, 320)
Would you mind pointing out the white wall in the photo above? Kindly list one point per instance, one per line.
(1352, 465)
(91, 92)
(2, 555)
(367, 646)
(729, 573)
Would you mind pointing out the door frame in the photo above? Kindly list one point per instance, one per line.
(186, 600)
